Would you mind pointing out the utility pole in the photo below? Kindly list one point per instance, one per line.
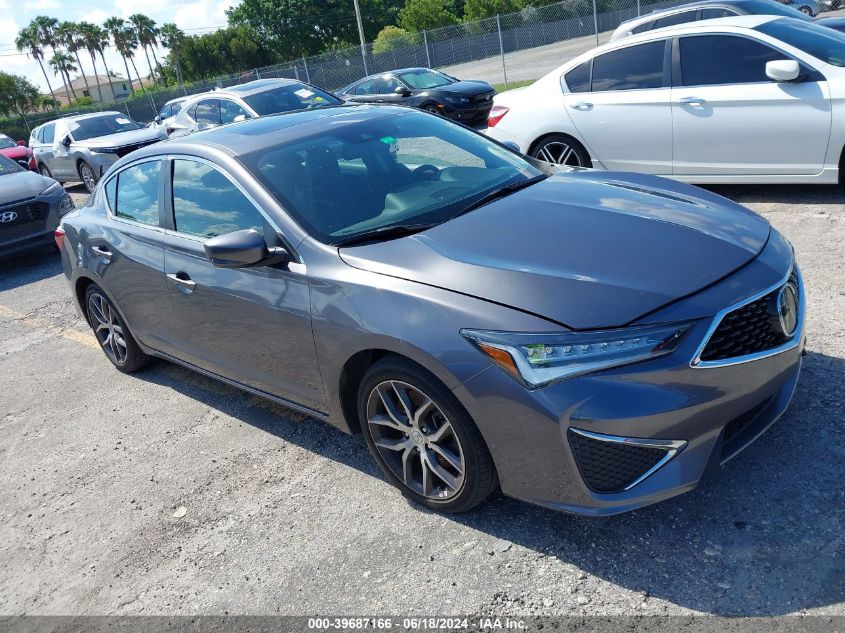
(361, 35)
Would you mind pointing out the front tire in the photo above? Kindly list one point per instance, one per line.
(806, 10)
(422, 438)
(45, 171)
(88, 176)
(112, 334)
(560, 149)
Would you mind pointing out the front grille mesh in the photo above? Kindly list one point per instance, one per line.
(742, 421)
(611, 466)
(26, 214)
(747, 330)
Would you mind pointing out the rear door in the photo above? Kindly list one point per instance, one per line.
(729, 118)
(128, 253)
(250, 325)
(623, 112)
(44, 153)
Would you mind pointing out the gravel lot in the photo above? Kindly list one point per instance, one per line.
(168, 493)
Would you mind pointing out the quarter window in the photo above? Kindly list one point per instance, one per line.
(709, 60)
(134, 193)
(578, 79)
(632, 68)
(206, 203)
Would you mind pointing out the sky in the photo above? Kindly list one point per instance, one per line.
(192, 16)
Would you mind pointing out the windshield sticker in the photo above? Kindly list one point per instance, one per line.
(122, 121)
(304, 93)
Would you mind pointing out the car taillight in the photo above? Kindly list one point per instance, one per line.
(496, 114)
(32, 164)
(59, 236)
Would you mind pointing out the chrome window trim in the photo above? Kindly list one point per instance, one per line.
(672, 448)
(792, 343)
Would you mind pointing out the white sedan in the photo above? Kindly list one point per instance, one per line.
(754, 99)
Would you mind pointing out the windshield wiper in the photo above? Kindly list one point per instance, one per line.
(500, 192)
(385, 233)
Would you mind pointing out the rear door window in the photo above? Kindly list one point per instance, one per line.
(134, 193)
(676, 18)
(636, 67)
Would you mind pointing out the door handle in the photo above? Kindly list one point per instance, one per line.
(183, 280)
(103, 252)
(694, 101)
(583, 106)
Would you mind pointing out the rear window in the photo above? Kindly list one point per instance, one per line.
(821, 42)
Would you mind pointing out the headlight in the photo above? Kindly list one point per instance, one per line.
(51, 189)
(537, 360)
(65, 205)
(458, 99)
(104, 150)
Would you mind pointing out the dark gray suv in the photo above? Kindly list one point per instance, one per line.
(589, 341)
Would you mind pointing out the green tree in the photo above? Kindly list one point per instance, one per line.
(69, 35)
(116, 28)
(147, 34)
(226, 51)
(173, 37)
(480, 9)
(62, 64)
(18, 95)
(28, 41)
(45, 29)
(423, 15)
(392, 37)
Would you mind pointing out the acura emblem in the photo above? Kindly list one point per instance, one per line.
(8, 216)
(787, 307)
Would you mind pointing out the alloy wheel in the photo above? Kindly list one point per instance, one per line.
(88, 177)
(416, 440)
(806, 10)
(558, 153)
(107, 328)
(45, 171)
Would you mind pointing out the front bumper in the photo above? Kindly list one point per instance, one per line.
(564, 446)
(469, 113)
(37, 230)
(101, 162)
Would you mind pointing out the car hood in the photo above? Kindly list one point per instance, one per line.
(22, 185)
(467, 88)
(15, 153)
(144, 135)
(585, 249)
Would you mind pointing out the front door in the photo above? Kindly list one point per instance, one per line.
(730, 118)
(250, 325)
(623, 112)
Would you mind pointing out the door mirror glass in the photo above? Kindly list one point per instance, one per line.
(241, 249)
(403, 91)
(66, 141)
(783, 70)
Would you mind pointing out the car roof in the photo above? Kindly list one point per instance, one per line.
(272, 130)
(700, 4)
(737, 21)
(252, 87)
(396, 71)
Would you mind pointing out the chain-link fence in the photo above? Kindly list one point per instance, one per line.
(504, 50)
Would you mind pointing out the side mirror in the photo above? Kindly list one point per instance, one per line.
(783, 70)
(201, 127)
(66, 141)
(403, 91)
(158, 118)
(21, 143)
(513, 146)
(241, 249)
(239, 118)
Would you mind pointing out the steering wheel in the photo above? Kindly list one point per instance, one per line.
(426, 172)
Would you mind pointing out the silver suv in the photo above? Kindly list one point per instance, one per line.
(84, 147)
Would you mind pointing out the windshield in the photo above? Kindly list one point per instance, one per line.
(8, 166)
(102, 126)
(821, 42)
(6, 142)
(772, 7)
(288, 98)
(358, 176)
(422, 79)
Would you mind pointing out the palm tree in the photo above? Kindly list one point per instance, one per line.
(145, 29)
(69, 34)
(116, 27)
(63, 63)
(27, 40)
(172, 37)
(129, 41)
(100, 38)
(90, 40)
(45, 29)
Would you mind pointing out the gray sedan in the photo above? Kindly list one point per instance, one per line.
(589, 341)
(31, 207)
(84, 147)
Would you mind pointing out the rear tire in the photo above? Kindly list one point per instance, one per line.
(111, 332)
(562, 150)
(422, 438)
